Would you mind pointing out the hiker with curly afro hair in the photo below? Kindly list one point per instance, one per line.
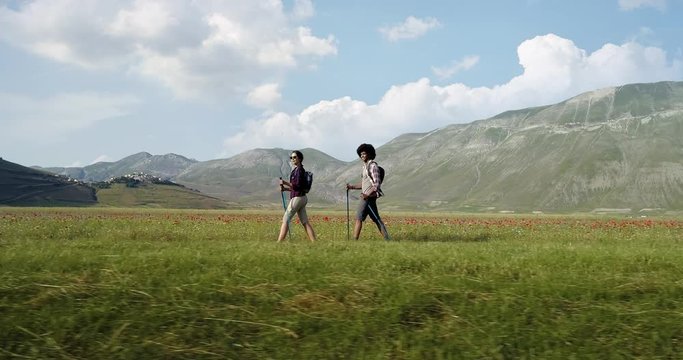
(370, 187)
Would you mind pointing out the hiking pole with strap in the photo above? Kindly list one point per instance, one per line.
(386, 233)
(284, 206)
(348, 221)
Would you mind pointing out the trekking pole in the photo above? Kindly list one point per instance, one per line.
(284, 206)
(348, 221)
(386, 233)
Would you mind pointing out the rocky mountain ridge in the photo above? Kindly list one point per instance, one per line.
(164, 166)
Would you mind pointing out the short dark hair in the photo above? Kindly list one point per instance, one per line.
(368, 149)
(299, 154)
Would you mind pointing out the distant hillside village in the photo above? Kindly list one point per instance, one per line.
(131, 180)
(134, 180)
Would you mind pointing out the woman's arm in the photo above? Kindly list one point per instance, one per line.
(285, 185)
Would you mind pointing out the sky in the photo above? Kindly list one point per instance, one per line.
(84, 81)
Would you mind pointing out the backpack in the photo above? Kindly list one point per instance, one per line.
(381, 176)
(381, 172)
(307, 181)
(308, 176)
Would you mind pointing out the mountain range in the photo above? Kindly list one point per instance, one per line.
(164, 166)
(613, 149)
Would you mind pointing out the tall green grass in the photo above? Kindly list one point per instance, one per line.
(131, 284)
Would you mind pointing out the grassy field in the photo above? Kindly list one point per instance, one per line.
(133, 284)
(157, 196)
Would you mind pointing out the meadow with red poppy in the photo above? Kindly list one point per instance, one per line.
(134, 283)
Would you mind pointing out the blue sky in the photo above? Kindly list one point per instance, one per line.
(83, 81)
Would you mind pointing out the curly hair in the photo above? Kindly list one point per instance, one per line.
(368, 149)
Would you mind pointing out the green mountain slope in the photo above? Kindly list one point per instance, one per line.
(615, 148)
(24, 186)
(612, 148)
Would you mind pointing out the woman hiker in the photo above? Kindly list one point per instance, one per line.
(297, 197)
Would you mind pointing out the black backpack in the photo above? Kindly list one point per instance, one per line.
(381, 172)
(308, 177)
(307, 181)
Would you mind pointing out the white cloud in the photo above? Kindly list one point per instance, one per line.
(554, 69)
(144, 19)
(455, 67)
(68, 31)
(50, 120)
(264, 96)
(634, 4)
(100, 158)
(303, 9)
(284, 52)
(411, 28)
(198, 49)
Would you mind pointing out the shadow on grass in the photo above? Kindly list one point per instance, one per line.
(442, 238)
